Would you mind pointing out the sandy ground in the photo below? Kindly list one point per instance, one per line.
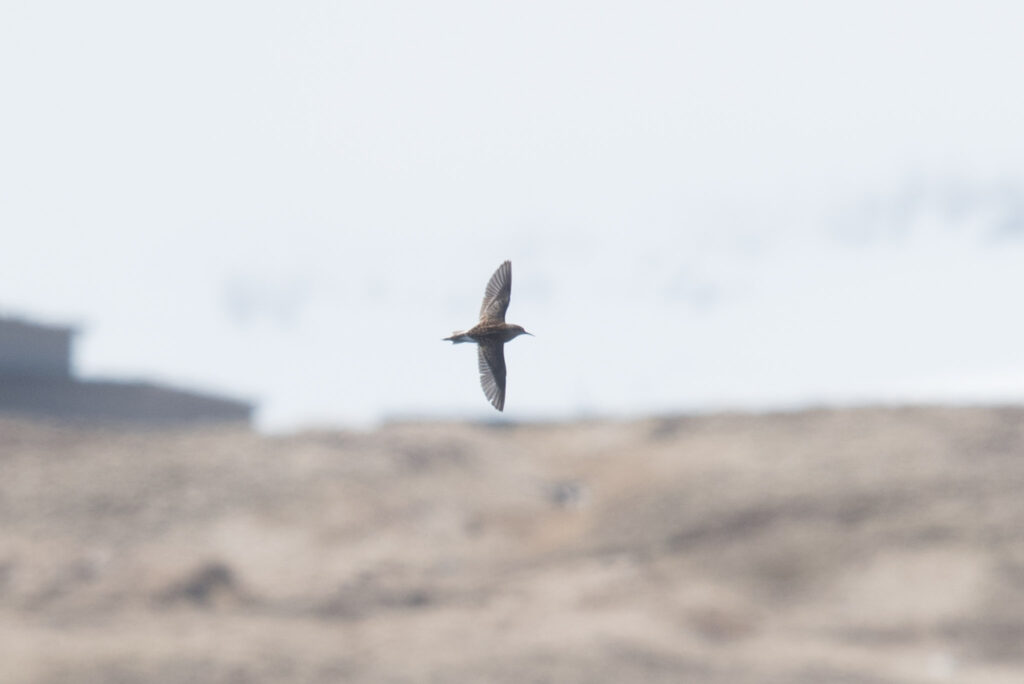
(855, 546)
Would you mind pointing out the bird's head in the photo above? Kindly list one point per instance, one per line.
(516, 331)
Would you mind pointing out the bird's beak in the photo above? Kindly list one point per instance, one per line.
(530, 334)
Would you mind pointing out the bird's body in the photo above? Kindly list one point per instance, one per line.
(488, 333)
(491, 334)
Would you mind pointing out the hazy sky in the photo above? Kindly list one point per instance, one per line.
(706, 204)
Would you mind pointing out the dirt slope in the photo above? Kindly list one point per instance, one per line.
(855, 546)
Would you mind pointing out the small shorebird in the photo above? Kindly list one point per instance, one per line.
(491, 334)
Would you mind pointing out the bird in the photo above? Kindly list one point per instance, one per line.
(491, 334)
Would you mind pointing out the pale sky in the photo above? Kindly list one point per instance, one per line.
(707, 205)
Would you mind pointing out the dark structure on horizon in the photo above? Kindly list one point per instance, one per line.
(36, 379)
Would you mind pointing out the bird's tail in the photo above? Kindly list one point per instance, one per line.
(458, 337)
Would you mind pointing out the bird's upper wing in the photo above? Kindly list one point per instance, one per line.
(491, 360)
(499, 290)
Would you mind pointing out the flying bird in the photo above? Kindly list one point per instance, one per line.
(491, 334)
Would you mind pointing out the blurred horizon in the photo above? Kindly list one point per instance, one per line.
(705, 206)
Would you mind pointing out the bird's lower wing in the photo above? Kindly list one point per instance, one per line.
(491, 360)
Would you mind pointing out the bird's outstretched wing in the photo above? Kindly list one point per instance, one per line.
(499, 290)
(491, 360)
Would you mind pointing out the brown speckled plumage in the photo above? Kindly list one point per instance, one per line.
(491, 334)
